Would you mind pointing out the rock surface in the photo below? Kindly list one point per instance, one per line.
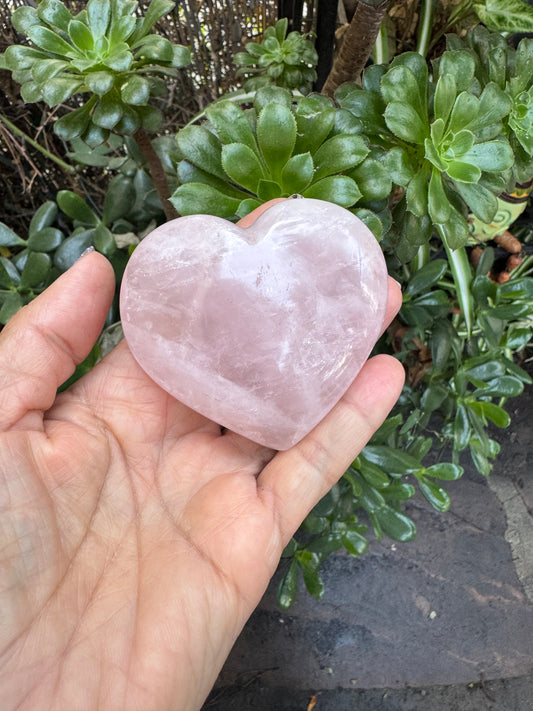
(454, 607)
(260, 329)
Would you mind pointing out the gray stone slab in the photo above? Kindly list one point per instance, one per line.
(452, 607)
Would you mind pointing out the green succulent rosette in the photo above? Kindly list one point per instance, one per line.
(281, 59)
(241, 158)
(105, 51)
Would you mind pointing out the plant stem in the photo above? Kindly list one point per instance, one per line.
(462, 276)
(157, 173)
(11, 126)
(425, 26)
(357, 45)
(381, 47)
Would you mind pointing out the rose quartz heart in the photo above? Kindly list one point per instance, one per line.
(261, 329)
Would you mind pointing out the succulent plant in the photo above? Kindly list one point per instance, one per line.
(512, 71)
(286, 60)
(242, 158)
(442, 139)
(104, 51)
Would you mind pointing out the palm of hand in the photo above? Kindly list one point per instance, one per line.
(127, 491)
(136, 538)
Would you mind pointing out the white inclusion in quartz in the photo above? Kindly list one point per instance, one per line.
(259, 329)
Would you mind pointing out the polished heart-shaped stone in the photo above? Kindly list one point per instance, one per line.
(260, 329)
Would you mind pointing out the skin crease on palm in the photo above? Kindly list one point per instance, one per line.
(135, 537)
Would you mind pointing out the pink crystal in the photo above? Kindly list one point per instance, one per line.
(261, 329)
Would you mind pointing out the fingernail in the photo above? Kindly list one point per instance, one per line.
(85, 252)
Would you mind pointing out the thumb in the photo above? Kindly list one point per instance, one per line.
(42, 344)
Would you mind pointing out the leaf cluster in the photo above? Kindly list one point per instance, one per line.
(241, 158)
(512, 71)
(61, 230)
(105, 51)
(286, 60)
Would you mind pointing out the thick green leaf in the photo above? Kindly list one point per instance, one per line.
(435, 494)
(108, 111)
(465, 111)
(506, 386)
(231, 124)
(59, 89)
(155, 47)
(121, 28)
(31, 92)
(268, 190)
(44, 216)
(81, 35)
(156, 9)
(35, 270)
(445, 470)
(45, 239)
(309, 563)
(119, 61)
(396, 162)
(288, 586)
(393, 461)
(11, 304)
(243, 166)
(404, 122)
(444, 99)
(76, 208)
(400, 85)
(438, 204)
(373, 180)
(491, 155)
(426, 277)
(150, 116)
(481, 201)
(373, 474)
(313, 126)
(200, 147)
(8, 238)
(19, 57)
(297, 173)
(338, 154)
(276, 135)
(99, 82)
(181, 56)
(463, 172)
(461, 65)
(98, 12)
(47, 69)
(355, 543)
(462, 430)
(396, 525)
(135, 91)
(336, 188)
(119, 199)
(50, 41)
(73, 124)
(492, 412)
(25, 17)
(104, 241)
(189, 173)
(71, 249)
(198, 198)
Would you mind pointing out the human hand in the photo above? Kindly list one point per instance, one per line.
(135, 537)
